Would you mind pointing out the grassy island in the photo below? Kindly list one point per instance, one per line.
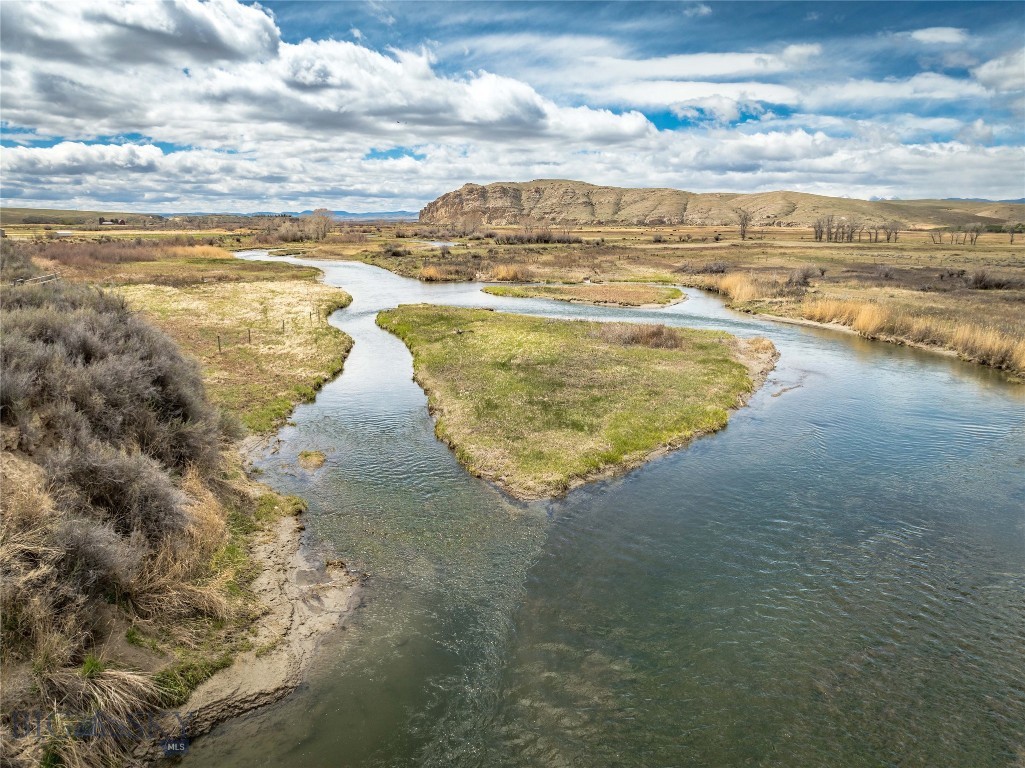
(611, 294)
(537, 405)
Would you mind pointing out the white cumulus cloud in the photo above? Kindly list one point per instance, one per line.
(940, 35)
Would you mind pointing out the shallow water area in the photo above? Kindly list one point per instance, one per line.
(838, 578)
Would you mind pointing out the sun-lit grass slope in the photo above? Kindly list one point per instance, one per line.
(258, 328)
(617, 294)
(535, 404)
(555, 201)
(276, 348)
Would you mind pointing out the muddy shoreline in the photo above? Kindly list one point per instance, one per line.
(305, 597)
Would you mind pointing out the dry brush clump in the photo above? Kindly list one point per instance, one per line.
(539, 235)
(984, 280)
(431, 273)
(740, 287)
(656, 336)
(113, 497)
(510, 273)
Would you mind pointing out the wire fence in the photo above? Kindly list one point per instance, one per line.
(36, 280)
(245, 337)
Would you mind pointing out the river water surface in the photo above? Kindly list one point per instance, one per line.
(836, 579)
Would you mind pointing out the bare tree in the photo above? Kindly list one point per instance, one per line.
(744, 219)
(1011, 227)
(318, 224)
(892, 228)
(819, 228)
(972, 232)
(832, 225)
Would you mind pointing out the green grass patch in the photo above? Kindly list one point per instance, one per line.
(179, 680)
(92, 666)
(312, 459)
(535, 403)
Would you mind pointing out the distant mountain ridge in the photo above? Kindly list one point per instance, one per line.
(561, 201)
(339, 215)
(12, 215)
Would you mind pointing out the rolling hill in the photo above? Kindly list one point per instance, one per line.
(558, 201)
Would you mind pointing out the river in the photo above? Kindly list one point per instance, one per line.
(836, 579)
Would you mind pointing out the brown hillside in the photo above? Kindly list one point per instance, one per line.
(558, 201)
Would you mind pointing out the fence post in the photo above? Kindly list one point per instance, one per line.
(218, 342)
(282, 326)
(250, 335)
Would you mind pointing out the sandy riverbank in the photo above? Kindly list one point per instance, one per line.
(305, 598)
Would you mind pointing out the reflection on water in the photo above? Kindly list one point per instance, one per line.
(838, 578)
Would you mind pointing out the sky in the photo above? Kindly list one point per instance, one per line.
(219, 105)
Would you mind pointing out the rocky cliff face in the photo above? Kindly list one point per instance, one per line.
(548, 201)
(556, 201)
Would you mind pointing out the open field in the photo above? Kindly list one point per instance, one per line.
(609, 294)
(54, 216)
(536, 404)
(276, 348)
(936, 287)
(950, 295)
(258, 329)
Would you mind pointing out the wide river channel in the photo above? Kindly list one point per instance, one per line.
(836, 579)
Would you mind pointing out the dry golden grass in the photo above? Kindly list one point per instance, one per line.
(740, 288)
(973, 342)
(276, 348)
(433, 273)
(831, 311)
(870, 320)
(510, 273)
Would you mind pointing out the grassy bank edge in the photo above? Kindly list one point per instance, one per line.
(870, 320)
(274, 414)
(250, 526)
(750, 353)
(662, 295)
(185, 657)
